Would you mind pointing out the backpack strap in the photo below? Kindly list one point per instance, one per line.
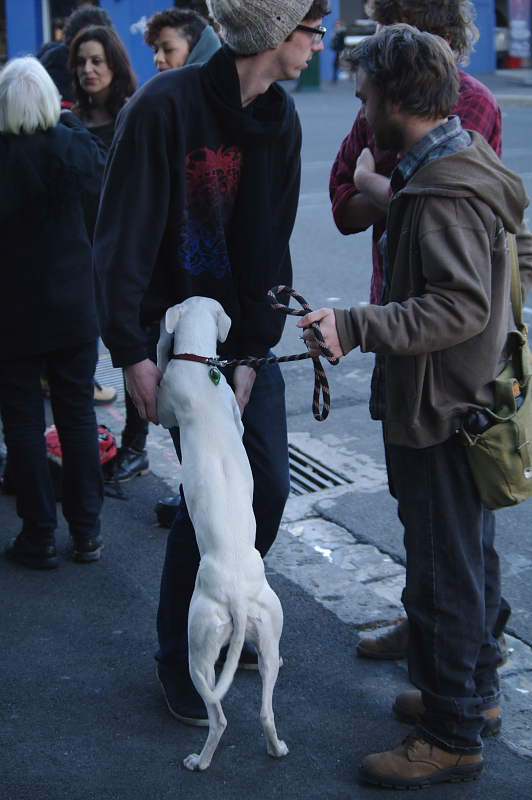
(516, 293)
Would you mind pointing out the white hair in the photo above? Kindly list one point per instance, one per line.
(29, 99)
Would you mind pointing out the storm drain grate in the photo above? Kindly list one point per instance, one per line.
(308, 475)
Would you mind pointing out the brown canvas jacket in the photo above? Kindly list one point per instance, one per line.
(444, 326)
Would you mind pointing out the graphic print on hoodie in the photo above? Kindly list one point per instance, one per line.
(212, 181)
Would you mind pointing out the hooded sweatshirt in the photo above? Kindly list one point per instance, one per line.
(444, 325)
(205, 48)
(199, 198)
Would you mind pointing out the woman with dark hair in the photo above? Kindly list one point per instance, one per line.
(180, 37)
(103, 79)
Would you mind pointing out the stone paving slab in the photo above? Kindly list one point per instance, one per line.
(359, 584)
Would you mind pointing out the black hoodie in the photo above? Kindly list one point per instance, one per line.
(200, 197)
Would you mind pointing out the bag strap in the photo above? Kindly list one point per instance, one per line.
(516, 294)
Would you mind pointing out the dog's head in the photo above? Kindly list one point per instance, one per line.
(198, 306)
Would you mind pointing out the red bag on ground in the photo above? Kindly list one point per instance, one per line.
(107, 446)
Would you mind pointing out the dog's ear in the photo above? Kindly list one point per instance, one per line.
(224, 325)
(171, 318)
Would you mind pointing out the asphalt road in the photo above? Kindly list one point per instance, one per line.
(82, 716)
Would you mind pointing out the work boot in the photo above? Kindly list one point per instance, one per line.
(393, 644)
(33, 554)
(166, 509)
(408, 707)
(416, 763)
(388, 646)
(103, 395)
(86, 549)
(183, 701)
(129, 464)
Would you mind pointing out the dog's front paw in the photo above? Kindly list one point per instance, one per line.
(278, 749)
(191, 762)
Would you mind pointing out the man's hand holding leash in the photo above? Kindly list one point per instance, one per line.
(327, 322)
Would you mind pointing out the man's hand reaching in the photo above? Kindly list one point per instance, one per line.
(142, 381)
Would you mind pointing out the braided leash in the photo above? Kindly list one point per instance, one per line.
(321, 385)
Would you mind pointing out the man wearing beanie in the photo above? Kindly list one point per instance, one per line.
(200, 197)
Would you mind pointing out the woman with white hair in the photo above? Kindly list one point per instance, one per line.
(50, 166)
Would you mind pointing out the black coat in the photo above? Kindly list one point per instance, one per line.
(47, 286)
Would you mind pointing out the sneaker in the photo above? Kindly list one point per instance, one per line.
(34, 555)
(166, 509)
(183, 701)
(103, 394)
(408, 707)
(86, 549)
(129, 464)
(417, 763)
(248, 658)
(388, 646)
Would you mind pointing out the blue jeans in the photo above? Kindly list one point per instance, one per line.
(70, 374)
(265, 440)
(452, 608)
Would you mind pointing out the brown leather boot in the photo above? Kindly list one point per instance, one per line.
(408, 707)
(417, 763)
(388, 646)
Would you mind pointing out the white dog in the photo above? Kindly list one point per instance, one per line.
(232, 599)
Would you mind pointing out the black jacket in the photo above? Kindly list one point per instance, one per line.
(47, 284)
(199, 198)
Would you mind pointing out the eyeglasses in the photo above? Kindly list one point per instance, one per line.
(316, 33)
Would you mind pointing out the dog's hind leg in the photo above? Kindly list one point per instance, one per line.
(217, 725)
(268, 634)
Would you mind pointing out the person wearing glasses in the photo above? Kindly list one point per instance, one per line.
(200, 198)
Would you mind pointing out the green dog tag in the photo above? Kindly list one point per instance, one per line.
(214, 375)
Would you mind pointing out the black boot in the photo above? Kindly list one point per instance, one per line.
(87, 549)
(166, 509)
(129, 464)
(33, 553)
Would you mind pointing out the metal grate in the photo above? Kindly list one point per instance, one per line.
(308, 475)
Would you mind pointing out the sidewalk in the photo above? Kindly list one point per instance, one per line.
(83, 715)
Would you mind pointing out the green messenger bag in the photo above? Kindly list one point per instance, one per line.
(500, 456)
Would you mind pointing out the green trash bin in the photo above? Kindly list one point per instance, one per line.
(310, 77)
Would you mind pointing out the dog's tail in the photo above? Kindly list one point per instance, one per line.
(239, 617)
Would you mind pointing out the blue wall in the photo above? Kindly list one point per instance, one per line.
(483, 59)
(127, 16)
(24, 27)
(25, 35)
(327, 57)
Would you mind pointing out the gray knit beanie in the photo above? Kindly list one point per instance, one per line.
(252, 26)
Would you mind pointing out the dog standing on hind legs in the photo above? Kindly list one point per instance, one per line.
(232, 600)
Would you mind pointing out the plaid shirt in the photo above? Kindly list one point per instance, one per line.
(478, 111)
(443, 141)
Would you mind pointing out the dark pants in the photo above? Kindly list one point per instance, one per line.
(451, 604)
(265, 441)
(70, 374)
